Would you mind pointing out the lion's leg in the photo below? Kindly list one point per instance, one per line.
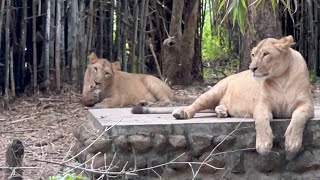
(262, 116)
(208, 100)
(107, 103)
(294, 132)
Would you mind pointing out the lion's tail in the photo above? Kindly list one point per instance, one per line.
(140, 109)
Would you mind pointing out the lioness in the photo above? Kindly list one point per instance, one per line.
(106, 87)
(276, 86)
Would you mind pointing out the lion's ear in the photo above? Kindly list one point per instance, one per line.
(92, 58)
(284, 43)
(116, 65)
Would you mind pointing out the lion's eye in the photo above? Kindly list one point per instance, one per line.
(95, 69)
(265, 54)
(252, 55)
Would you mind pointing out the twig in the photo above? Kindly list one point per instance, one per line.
(20, 120)
(155, 60)
(105, 130)
(215, 149)
(18, 131)
(85, 169)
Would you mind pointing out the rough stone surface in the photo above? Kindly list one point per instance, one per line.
(180, 166)
(226, 144)
(268, 163)
(157, 139)
(160, 143)
(199, 143)
(308, 160)
(121, 144)
(215, 163)
(140, 143)
(177, 142)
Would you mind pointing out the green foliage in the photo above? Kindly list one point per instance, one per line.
(68, 177)
(239, 7)
(313, 77)
(213, 46)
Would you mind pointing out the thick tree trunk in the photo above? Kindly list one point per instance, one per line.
(179, 48)
(260, 24)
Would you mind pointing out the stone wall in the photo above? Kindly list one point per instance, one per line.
(130, 148)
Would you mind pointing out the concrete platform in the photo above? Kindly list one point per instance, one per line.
(159, 138)
(123, 116)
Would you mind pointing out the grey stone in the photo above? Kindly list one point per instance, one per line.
(121, 144)
(268, 163)
(307, 161)
(226, 144)
(159, 143)
(140, 162)
(199, 143)
(211, 161)
(140, 143)
(155, 161)
(99, 145)
(181, 166)
(177, 142)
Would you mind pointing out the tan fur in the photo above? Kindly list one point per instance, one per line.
(120, 89)
(278, 88)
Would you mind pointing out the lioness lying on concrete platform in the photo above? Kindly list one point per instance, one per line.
(105, 86)
(276, 86)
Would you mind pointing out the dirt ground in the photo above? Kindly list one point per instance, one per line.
(45, 124)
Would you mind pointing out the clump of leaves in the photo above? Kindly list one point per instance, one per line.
(313, 77)
(68, 177)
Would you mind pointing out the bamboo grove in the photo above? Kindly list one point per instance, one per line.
(44, 44)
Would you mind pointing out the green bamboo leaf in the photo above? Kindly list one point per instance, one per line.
(222, 4)
(244, 4)
(235, 11)
(241, 17)
(273, 3)
(227, 13)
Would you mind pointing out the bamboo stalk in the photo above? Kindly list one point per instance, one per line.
(34, 44)
(7, 55)
(101, 28)
(13, 86)
(1, 18)
(58, 45)
(23, 37)
(47, 45)
(90, 26)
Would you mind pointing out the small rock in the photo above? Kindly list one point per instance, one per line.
(177, 142)
(100, 145)
(140, 143)
(268, 163)
(160, 142)
(43, 143)
(227, 143)
(308, 160)
(180, 166)
(155, 162)
(212, 161)
(140, 162)
(121, 144)
(199, 143)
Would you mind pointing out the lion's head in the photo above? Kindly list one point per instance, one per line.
(102, 70)
(267, 58)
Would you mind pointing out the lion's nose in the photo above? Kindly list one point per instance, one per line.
(254, 69)
(96, 82)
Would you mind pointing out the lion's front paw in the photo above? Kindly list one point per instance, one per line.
(293, 138)
(221, 111)
(180, 114)
(264, 141)
(99, 106)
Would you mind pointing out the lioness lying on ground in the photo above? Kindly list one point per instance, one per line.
(276, 86)
(106, 87)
